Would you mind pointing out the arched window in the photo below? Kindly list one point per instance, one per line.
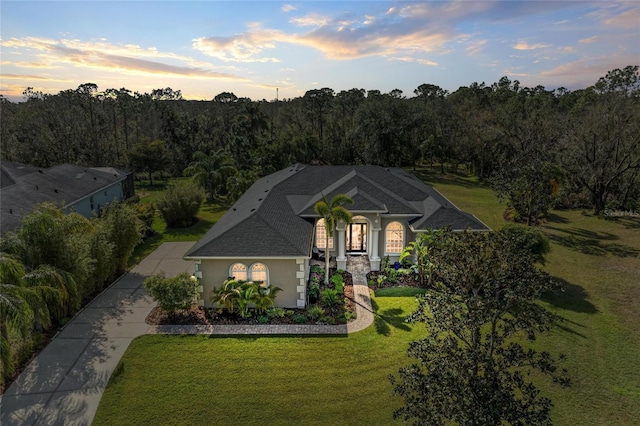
(394, 238)
(321, 235)
(238, 271)
(259, 273)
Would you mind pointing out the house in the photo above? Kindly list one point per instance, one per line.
(80, 189)
(271, 232)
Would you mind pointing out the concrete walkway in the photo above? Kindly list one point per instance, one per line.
(64, 383)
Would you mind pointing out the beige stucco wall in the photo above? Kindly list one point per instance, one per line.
(288, 274)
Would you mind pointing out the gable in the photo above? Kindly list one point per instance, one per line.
(276, 216)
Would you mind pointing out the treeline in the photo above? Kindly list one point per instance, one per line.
(535, 146)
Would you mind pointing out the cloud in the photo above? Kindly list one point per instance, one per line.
(288, 8)
(245, 47)
(628, 19)
(103, 55)
(589, 40)
(475, 47)
(522, 45)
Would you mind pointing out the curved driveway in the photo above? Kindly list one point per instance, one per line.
(64, 383)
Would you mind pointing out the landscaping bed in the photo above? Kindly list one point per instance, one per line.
(339, 310)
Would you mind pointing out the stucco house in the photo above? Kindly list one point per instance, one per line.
(272, 231)
(80, 189)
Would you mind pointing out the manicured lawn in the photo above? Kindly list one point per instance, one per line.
(285, 380)
(263, 380)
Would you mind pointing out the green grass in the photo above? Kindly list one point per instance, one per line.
(208, 215)
(280, 380)
(263, 380)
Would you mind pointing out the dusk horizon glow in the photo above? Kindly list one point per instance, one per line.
(257, 49)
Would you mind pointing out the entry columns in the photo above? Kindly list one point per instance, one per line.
(341, 259)
(374, 258)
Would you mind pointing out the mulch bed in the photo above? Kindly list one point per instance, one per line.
(401, 281)
(198, 315)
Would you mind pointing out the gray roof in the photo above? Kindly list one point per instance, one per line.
(24, 187)
(275, 217)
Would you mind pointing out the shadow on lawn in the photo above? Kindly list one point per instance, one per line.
(393, 317)
(573, 298)
(591, 243)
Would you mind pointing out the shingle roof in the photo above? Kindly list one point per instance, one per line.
(24, 187)
(275, 217)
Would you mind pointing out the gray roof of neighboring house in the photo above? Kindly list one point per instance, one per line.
(276, 217)
(24, 187)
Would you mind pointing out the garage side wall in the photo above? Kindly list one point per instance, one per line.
(288, 274)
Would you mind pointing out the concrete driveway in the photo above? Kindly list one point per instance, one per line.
(64, 383)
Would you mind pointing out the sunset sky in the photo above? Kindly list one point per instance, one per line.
(204, 48)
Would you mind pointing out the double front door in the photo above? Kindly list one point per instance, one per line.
(357, 238)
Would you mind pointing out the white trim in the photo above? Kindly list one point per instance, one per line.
(404, 238)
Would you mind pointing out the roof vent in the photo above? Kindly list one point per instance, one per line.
(259, 199)
(253, 210)
(40, 171)
(95, 178)
(55, 190)
(266, 190)
(234, 209)
(10, 211)
(37, 187)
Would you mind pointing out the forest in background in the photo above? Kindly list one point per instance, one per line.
(537, 148)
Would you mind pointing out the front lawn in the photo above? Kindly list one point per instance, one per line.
(263, 380)
(308, 380)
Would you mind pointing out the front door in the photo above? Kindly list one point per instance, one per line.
(357, 238)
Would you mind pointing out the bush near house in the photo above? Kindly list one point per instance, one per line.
(174, 293)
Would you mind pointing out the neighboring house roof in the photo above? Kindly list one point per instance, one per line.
(24, 187)
(276, 217)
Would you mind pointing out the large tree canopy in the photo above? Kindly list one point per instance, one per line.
(473, 366)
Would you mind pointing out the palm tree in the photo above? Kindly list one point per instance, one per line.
(27, 299)
(332, 212)
(211, 171)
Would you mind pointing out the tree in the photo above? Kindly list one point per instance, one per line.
(149, 156)
(332, 212)
(602, 153)
(420, 250)
(179, 204)
(27, 298)
(471, 370)
(211, 171)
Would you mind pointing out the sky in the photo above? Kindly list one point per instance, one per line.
(269, 49)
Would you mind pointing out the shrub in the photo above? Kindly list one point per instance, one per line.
(179, 204)
(275, 313)
(314, 291)
(534, 241)
(345, 317)
(392, 275)
(263, 319)
(382, 279)
(315, 312)
(124, 231)
(338, 283)
(371, 282)
(174, 293)
(299, 319)
(330, 297)
(328, 320)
